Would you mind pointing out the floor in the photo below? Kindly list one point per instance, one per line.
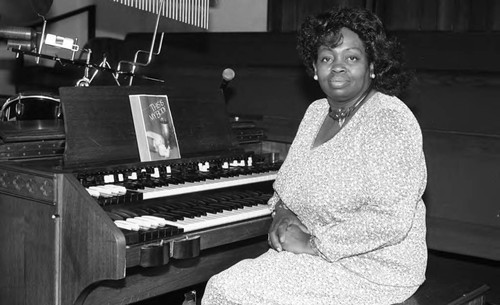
(455, 267)
(443, 264)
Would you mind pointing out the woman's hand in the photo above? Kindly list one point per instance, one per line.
(297, 241)
(283, 219)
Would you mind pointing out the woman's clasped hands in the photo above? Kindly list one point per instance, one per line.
(288, 233)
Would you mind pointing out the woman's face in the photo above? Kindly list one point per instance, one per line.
(343, 72)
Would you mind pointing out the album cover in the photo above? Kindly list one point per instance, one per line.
(154, 127)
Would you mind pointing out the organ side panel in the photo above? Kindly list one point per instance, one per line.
(92, 247)
(56, 240)
(28, 252)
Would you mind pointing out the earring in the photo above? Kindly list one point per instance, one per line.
(372, 75)
(315, 77)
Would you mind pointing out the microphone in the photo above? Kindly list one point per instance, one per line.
(227, 76)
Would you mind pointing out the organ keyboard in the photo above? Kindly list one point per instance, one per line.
(154, 202)
(176, 184)
(101, 227)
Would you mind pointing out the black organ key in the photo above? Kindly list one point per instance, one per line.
(171, 215)
(122, 214)
(115, 216)
(141, 211)
(184, 214)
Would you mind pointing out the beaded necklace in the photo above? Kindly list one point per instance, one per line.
(340, 114)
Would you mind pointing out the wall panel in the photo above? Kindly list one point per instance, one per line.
(397, 15)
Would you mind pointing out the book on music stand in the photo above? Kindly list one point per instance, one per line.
(154, 127)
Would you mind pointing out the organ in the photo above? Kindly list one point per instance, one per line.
(100, 227)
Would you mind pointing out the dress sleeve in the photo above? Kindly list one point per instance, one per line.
(394, 180)
(273, 201)
(306, 121)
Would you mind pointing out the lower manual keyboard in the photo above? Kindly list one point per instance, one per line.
(167, 218)
(212, 220)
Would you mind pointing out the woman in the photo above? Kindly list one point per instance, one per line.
(349, 220)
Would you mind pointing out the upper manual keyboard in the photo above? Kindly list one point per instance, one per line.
(176, 179)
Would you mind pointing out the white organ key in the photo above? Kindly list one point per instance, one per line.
(127, 225)
(160, 220)
(93, 192)
(144, 224)
(155, 222)
(121, 190)
(225, 217)
(109, 190)
(103, 191)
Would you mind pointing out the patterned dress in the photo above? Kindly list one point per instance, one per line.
(360, 196)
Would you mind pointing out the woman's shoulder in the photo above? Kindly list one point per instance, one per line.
(317, 106)
(391, 108)
(383, 100)
(388, 103)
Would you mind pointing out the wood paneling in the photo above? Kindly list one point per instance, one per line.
(400, 14)
(445, 15)
(397, 15)
(28, 276)
(287, 15)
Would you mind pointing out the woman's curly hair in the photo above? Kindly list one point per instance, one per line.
(385, 53)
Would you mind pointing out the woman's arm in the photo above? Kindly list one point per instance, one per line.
(394, 180)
